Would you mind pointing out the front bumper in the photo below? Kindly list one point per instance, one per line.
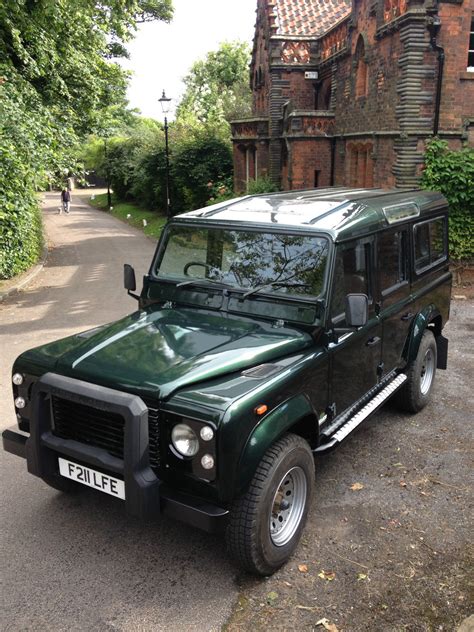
(146, 495)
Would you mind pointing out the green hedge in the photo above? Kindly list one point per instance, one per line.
(21, 235)
(452, 173)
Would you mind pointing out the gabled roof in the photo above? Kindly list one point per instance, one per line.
(309, 17)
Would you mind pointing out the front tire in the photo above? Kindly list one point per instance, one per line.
(416, 392)
(266, 523)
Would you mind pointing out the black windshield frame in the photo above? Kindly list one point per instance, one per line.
(240, 227)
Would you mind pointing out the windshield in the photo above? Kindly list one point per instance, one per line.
(250, 261)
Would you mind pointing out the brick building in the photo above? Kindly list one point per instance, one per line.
(347, 93)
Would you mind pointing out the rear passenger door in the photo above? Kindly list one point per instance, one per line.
(394, 296)
(355, 357)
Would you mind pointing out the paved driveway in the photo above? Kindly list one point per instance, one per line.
(396, 550)
(79, 563)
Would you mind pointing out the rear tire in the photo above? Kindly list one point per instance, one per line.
(416, 392)
(266, 523)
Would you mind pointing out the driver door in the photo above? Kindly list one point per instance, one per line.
(355, 358)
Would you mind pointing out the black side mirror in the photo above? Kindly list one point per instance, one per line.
(129, 280)
(357, 310)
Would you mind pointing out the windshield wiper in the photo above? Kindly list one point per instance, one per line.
(254, 290)
(200, 281)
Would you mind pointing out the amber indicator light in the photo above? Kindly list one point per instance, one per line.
(261, 410)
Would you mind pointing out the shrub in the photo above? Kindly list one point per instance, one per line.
(452, 173)
(20, 217)
(261, 185)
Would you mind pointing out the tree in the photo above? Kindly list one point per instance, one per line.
(58, 83)
(217, 88)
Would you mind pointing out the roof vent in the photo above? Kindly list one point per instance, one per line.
(401, 212)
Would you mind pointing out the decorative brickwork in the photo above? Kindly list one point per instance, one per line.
(364, 121)
(336, 41)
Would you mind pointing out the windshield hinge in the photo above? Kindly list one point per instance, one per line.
(278, 324)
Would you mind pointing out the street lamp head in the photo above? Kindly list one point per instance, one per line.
(165, 103)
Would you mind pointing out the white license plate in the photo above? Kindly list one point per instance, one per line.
(91, 478)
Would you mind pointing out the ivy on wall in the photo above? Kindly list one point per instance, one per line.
(452, 173)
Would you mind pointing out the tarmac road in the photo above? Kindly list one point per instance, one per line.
(79, 563)
(398, 547)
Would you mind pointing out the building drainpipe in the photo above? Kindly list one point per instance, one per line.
(289, 150)
(434, 27)
(333, 162)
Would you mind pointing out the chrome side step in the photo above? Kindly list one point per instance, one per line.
(363, 413)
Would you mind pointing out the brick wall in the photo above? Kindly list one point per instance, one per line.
(300, 91)
(393, 117)
(307, 157)
(457, 103)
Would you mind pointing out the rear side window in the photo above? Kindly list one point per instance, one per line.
(431, 243)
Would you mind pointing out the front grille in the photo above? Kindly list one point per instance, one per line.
(154, 438)
(79, 422)
(101, 428)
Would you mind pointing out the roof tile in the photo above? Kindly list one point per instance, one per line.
(309, 17)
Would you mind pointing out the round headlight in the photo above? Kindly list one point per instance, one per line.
(207, 433)
(17, 379)
(207, 462)
(20, 402)
(185, 440)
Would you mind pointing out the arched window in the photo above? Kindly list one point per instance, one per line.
(362, 72)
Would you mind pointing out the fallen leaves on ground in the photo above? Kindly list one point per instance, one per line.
(327, 575)
(361, 576)
(327, 625)
(356, 486)
(302, 568)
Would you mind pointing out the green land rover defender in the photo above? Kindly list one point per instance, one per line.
(268, 328)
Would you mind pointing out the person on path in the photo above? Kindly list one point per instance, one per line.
(65, 201)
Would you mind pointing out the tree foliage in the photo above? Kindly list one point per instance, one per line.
(217, 88)
(58, 82)
(200, 149)
(452, 173)
(137, 166)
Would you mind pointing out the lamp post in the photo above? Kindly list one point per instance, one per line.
(107, 175)
(165, 106)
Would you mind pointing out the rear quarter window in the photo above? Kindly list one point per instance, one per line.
(430, 243)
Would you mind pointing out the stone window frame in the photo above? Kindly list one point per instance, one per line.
(470, 49)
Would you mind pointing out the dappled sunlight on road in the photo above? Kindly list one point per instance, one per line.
(80, 287)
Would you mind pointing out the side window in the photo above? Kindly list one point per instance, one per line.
(470, 54)
(392, 260)
(351, 276)
(430, 243)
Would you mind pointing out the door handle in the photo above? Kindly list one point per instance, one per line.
(407, 316)
(373, 341)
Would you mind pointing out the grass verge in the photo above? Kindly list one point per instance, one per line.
(121, 210)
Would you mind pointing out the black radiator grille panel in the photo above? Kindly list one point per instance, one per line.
(99, 428)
